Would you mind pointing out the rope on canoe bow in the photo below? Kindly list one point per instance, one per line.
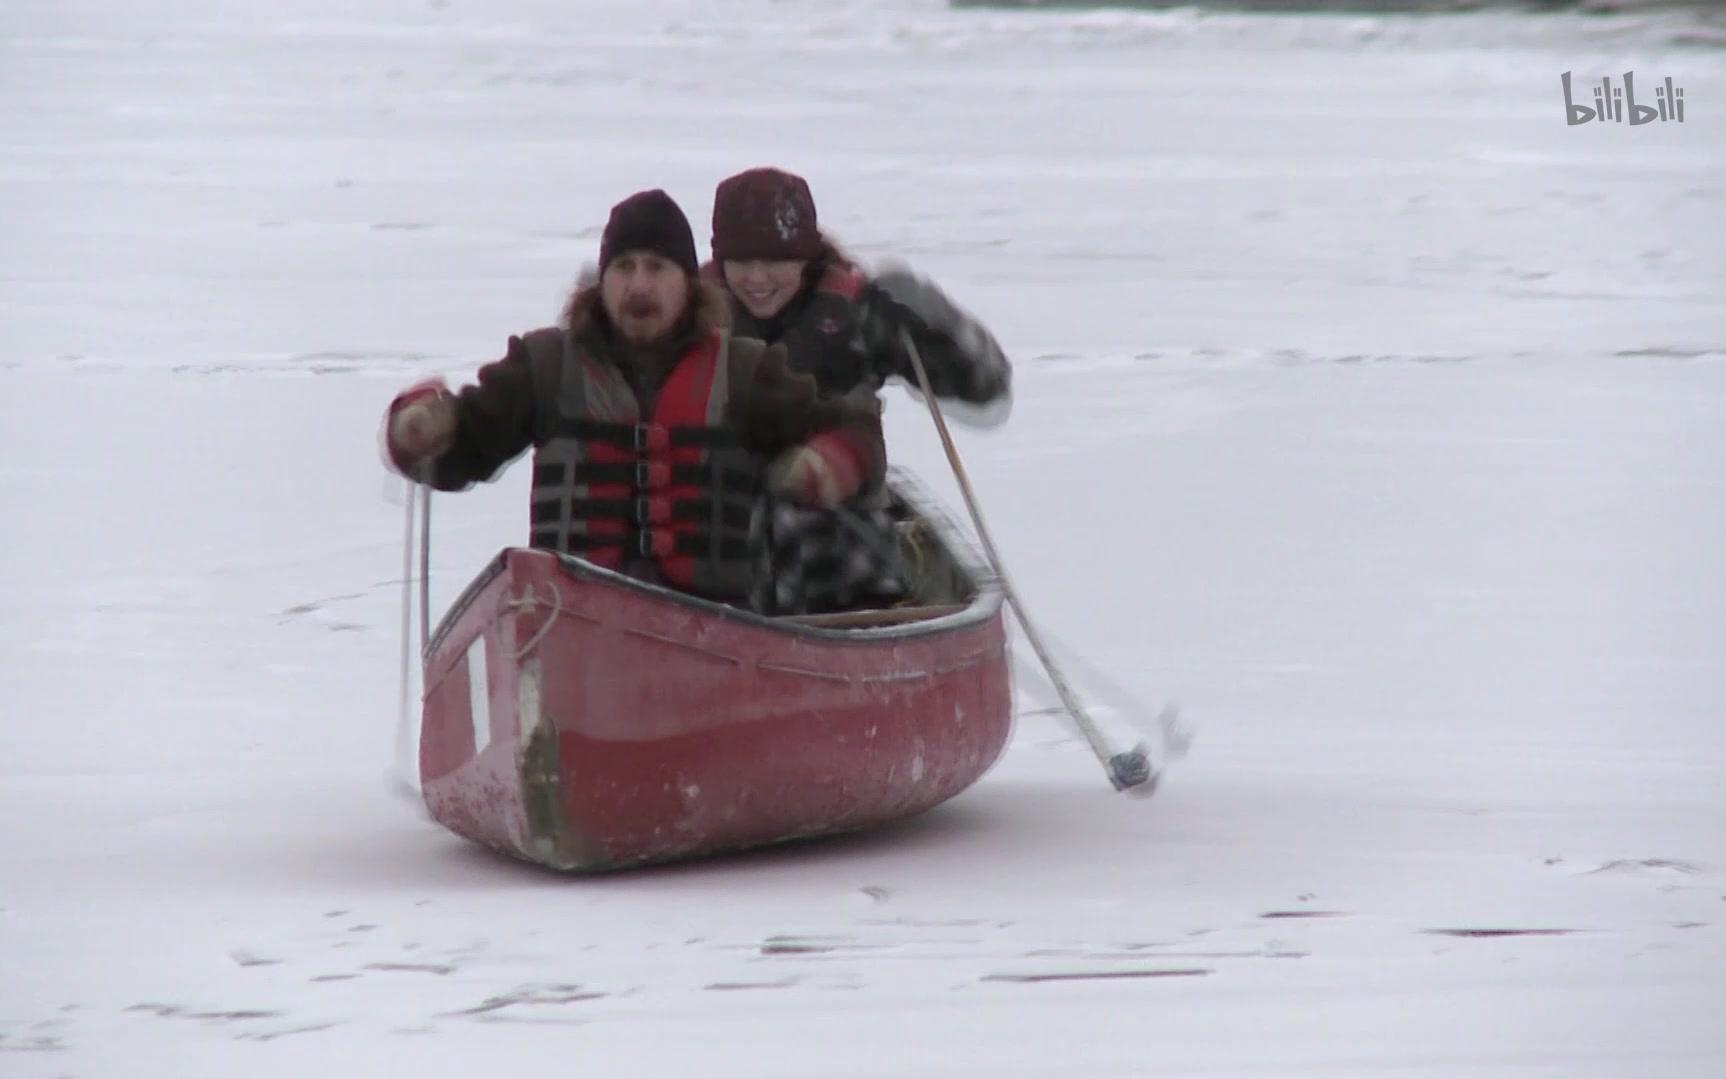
(526, 603)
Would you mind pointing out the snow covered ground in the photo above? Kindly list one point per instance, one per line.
(1362, 405)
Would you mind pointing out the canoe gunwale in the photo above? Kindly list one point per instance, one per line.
(983, 606)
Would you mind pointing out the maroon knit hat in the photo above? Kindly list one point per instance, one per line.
(764, 214)
(648, 221)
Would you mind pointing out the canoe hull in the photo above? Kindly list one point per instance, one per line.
(587, 722)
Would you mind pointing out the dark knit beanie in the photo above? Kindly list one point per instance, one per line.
(648, 221)
(764, 214)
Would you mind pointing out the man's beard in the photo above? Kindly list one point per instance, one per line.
(643, 322)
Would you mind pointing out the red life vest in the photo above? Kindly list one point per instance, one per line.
(613, 487)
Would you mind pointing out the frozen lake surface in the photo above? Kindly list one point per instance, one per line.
(1362, 405)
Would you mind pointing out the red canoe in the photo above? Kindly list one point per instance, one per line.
(585, 721)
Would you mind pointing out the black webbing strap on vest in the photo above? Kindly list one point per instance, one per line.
(643, 437)
(642, 475)
(645, 510)
(698, 544)
(727, 492)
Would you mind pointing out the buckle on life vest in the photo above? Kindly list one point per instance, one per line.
(652, 475)
(655, 542)
(655, 510)
(652, 438)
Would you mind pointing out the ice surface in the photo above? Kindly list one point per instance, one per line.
(1362, 405)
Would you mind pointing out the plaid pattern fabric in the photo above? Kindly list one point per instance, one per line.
(808, 561)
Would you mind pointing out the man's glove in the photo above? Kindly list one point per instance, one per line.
(421, 425)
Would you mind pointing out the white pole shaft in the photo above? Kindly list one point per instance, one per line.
(406, 750)
(425, 574)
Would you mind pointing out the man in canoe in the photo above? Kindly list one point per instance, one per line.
(656, 430)
(788, 282)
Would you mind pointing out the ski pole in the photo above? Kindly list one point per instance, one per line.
(1127, 768)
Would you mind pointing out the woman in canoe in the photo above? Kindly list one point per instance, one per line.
(787, 282)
